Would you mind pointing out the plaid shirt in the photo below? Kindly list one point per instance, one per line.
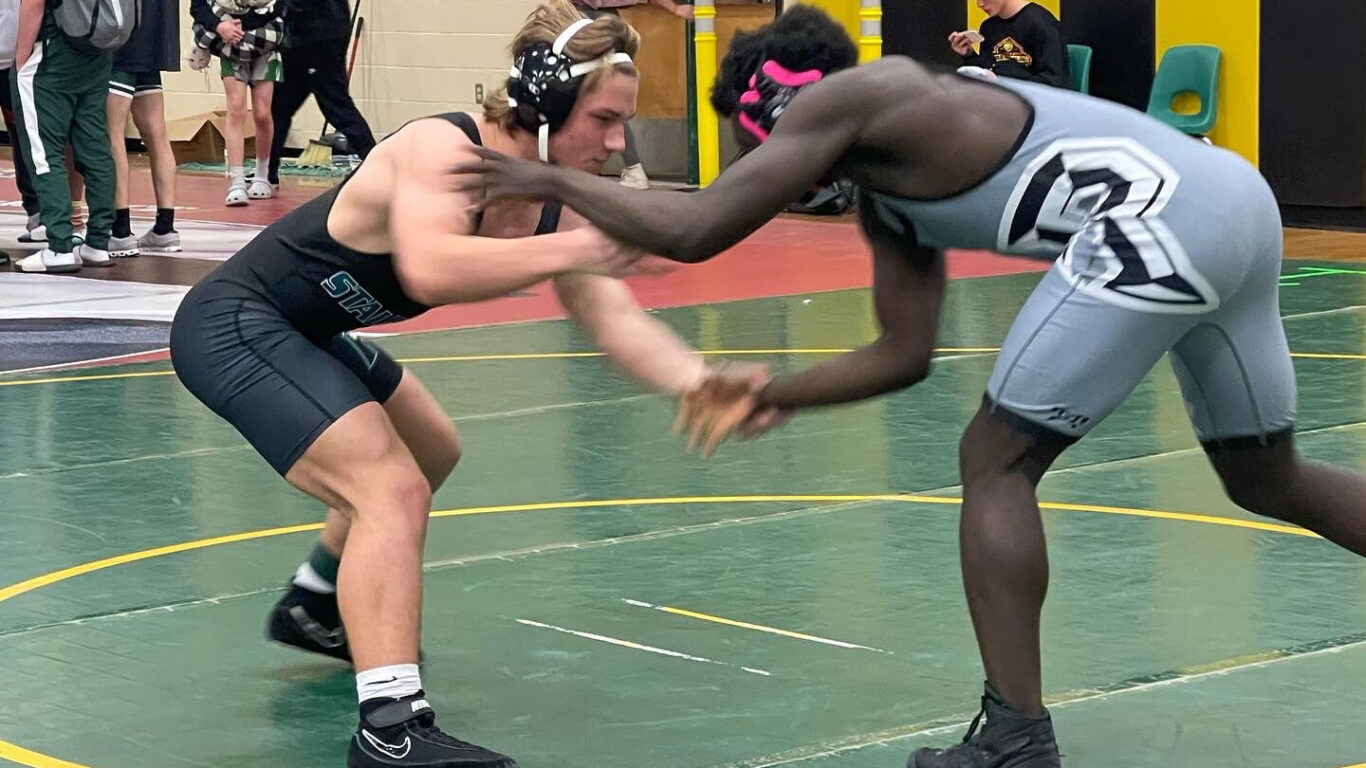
(255, 43)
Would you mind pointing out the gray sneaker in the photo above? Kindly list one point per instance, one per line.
(1008, 739)
(34, 231)
(153, 242)
(121, 247)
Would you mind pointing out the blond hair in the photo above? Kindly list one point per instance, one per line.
(607, 34)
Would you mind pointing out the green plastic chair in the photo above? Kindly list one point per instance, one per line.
(1079, 61)
(1187, 69)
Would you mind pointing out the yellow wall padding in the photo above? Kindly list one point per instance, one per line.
(1235, 27)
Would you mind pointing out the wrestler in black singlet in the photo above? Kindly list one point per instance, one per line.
(262, 340)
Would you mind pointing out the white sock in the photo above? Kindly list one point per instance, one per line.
(238, 174)
(309, 579)
(392, 682)
(263, 168)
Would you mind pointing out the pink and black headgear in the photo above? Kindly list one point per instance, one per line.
(771, 90)
(764, 70)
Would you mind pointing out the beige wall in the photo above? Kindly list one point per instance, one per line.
(417, 57)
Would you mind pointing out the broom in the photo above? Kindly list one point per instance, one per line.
(319, 152)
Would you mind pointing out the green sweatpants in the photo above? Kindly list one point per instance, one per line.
(59, 98)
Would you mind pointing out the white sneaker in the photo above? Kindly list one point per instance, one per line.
(121, 247)
(237, 196)
(48, 261)
(633, 177)
(260, 189)
(93, 257)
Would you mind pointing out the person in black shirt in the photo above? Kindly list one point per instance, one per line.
(1021, 40)
(316, 32)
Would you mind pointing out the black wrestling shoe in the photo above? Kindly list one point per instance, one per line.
(403, 732)
(1008, 739)
(309, 621)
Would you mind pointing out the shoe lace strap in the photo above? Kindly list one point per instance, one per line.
(976, 721)
(426, 727)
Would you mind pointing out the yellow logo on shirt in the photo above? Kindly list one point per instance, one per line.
(1009, 50)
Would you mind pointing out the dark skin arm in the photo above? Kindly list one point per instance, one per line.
(908, 289)
(817, 130)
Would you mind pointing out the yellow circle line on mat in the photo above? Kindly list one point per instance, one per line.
(577, 355)
(44, 580)
(22, 756)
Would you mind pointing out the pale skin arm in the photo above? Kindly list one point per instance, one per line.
(646, 349)
(30, 22)
(436, 258)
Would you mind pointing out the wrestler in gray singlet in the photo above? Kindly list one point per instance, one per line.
(1161, 243)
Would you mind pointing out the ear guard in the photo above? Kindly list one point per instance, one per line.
(770, 92)
(544, 83)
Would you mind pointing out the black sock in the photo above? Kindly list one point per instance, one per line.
(122, 226)
(165, 221)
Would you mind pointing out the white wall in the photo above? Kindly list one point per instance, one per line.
(417, 57)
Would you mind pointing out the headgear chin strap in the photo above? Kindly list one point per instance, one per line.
(543, 84)
(771, 90)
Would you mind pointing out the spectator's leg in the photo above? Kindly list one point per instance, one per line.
(75, 185)
(90, 149)
(290, 94)
(22, 176)
(118, 105)
(149, 115)
(236, 93)
(333, 93)
(261, 93)
(44, 110)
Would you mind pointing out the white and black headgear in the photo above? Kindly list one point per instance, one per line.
(544, 83)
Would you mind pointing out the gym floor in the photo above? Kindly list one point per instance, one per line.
(597, 597)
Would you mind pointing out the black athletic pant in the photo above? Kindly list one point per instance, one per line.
(26, 190)
(318, 69)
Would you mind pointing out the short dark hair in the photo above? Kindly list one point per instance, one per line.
(801, 39)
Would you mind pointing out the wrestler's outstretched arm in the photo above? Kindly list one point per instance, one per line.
(817, 130)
